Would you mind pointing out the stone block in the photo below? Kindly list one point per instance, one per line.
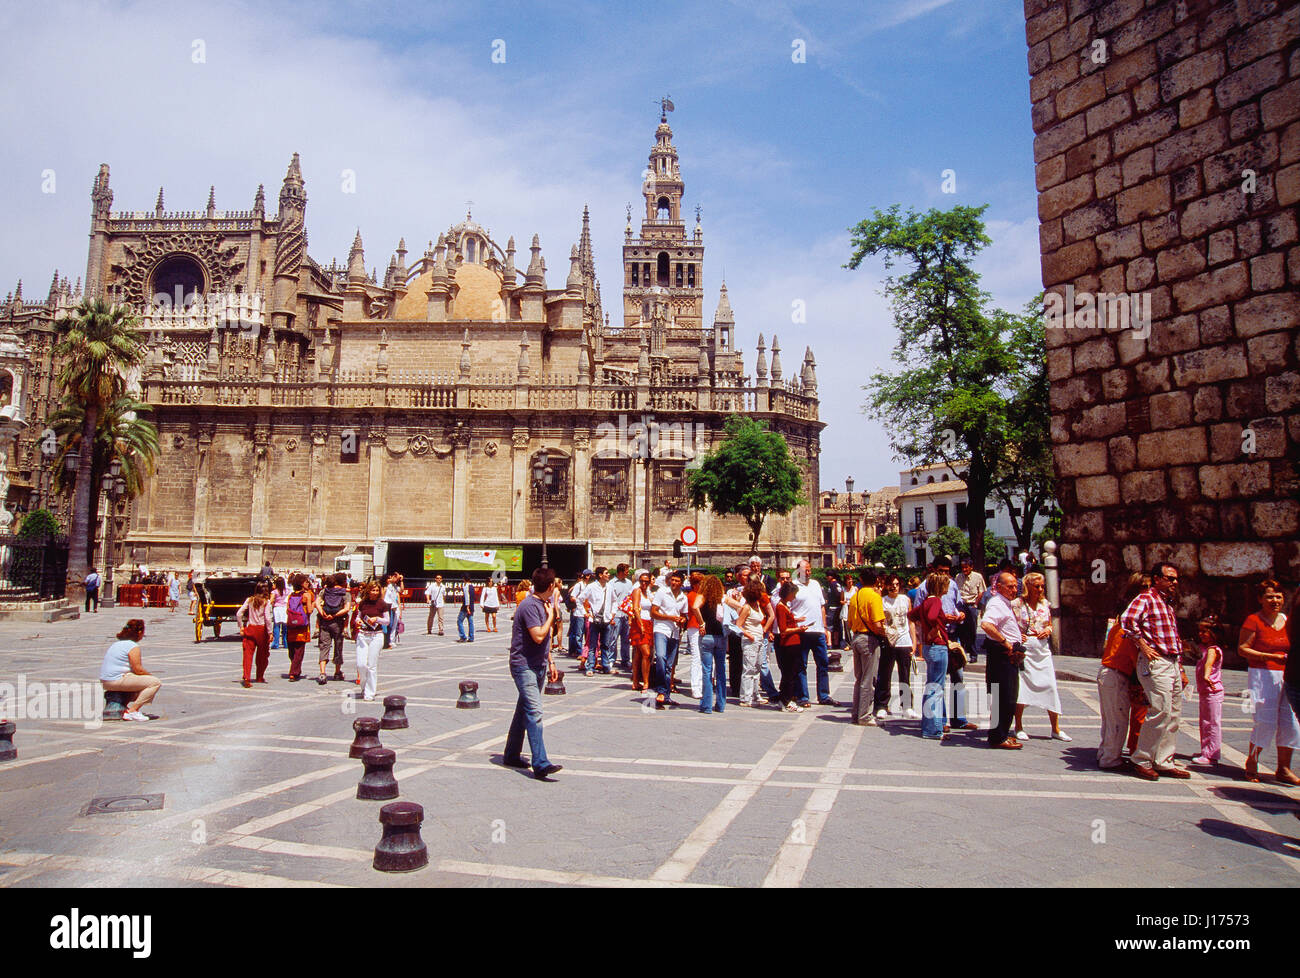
(1281, 105)
(1080, 95)
(1267, 273)
(1138, 166)
(1160, 231)
(1114, 383)
(1216, 325)
(1243, 122)
(1265, 353)
(1177, 446)
(1068, 263)
(1097, 491)
(1143, 131)
(1207, 405)
(1235, 559)
(1143, 29)
(1288, 185)
(1270, 313)
(1264, 38)
(1147, 199)
(1059, 364)
(1171, 410)
(1063, 197)
(1191, 145)
(1186, 183)
(1289, 146)
(1087, 458)
(1050, 172)
(1183, 483)
(1153, 375)
(1195, 108)
(1100, 422)
(1235, 480)
(1245, 83)
(1050, 21)
(1059, 136)
(1094, 354)
(1116, 109)
(1088, 221)
(1275, 518)
(1141, 271)
(1226, 169)
(1181, 555)
(1212, 288)
(1208, 366)
(1143, 487)
(1123, 454)
(1243, 399)
(1192, 73)
(1221, 247)
(1279, 229)
(1180, 261)
(1225, 442)
(1209, 213)
(1108, 180)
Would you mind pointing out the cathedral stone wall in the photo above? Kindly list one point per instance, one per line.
(1167, 151)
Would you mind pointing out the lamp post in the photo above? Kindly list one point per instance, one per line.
(543, 479)
(848, 488)
(114, 489)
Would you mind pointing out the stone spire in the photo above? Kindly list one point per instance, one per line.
(643, 360)
(401, 259)
(536, 273)
(54, 288)
(381, 361)
(440, 260)
(776, 360)
(290, 245)
(760, 365)
(809, 374)
(212, 202)
(723, 313)
(592, 311)
(259, 202)
(357, 260)
(390, 274)
(292, 194)
(101, 197)
(508, 273)
(573, 283)
(464, 356)
(158, 204)
(703, 366)
(522, 366)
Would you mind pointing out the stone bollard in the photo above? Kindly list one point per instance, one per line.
(394, 714)
(378, 783)
(367, 737)
(555, 688)
(115, 703)
(835, 663)
(7, 749)
(401, 849)
(468, 699)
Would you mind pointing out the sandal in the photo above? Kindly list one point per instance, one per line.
(321, 679)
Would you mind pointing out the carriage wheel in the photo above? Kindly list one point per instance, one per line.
(216, 629)
(198, 627)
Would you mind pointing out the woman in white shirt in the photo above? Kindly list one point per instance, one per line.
(491, 604)
(896, 650)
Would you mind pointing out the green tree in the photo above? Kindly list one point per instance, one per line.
(122, 436)
(888, 550)
(750, 475)
(1025, 480)
(1052, 531)
(994, 548)
(39, 523)
(947, 402)
(948, 542)
(98, 345)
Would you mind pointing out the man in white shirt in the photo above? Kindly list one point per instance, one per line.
(809, 606)
(1003, 652)
(594, 600)
(616, 633)
(669, 613)
(434, 593)
(393, 598)
(970, 585)
(664, 571)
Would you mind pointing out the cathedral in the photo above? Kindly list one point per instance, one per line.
(307, 411)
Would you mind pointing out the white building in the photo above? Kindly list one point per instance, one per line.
(934, 496)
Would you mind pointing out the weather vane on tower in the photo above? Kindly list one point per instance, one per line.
(665, 106)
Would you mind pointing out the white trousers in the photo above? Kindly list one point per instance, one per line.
(1112, 692)
(368, 647)
(1274, 718)
(697, 671)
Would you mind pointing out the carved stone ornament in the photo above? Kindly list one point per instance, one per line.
(291, 444)
(221, 263)
(490, 449)
(178, 441)
(420, 445)
(520, 440)
(318, 436)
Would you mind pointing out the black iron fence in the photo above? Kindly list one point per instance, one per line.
(32, 568)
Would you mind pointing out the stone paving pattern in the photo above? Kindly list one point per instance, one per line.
(260, 790)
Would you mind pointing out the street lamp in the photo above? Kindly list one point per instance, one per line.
(114, 487)
(543, 479)
(848, 488)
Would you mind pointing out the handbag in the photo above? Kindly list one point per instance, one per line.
(956, 655)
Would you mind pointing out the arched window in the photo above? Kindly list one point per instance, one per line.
(6, 388)
(663, 210)
(177, 280)
(929, 479)
(913, 480)
(635, 277)
(679, 275)
(469, 249)
(945, 477)
(645, 311)
(690, 276)
(663, 269)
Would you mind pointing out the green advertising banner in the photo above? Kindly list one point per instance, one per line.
(483, 561)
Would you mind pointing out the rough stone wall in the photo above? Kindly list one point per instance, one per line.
(1167, 151)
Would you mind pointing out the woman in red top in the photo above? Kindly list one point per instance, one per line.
(788, 648)
(932, 623)
(1264, 644)
(301, 606)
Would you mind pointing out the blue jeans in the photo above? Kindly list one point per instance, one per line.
(765, 681)
(390, 630)
(713, 666)
(577, 631)
(665, 659)
(933, 708)
(277, 636)
(815, 642)
(529, 680)
(465, 616)
(616, 638)
(597, 653)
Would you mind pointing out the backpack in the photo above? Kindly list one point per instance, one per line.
(297, 618)
(333, 599)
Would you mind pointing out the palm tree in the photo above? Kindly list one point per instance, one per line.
(122, 435)
(97, 346)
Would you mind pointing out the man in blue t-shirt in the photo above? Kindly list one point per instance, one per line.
(530, 667)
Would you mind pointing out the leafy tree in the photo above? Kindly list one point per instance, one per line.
(750, 475)
(994, 547)
(38, 524)
(888, 550)
(97, 347)
(1052, 531)
(948, 542)
(947, 402)
(1025, 481)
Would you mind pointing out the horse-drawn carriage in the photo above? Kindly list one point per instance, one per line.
(219, 598)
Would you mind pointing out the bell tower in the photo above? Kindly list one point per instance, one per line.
(664, 266)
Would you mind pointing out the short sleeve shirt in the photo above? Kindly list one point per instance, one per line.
(999, 614)
(117, 661)
(807, 604)
(669, 605)
(531, 613)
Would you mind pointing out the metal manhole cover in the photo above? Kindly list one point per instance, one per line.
(123, 803)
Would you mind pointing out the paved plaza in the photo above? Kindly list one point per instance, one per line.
(258, 789)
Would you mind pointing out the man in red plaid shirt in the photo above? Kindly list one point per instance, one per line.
(1150, 622)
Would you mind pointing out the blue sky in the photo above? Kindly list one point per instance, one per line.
(782, 156)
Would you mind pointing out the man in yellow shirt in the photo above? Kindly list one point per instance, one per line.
(867, 628)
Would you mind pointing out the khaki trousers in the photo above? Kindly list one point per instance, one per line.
(866, 661)
(1112, 691)
(1163, 683)
(146, 686)
(435, 611)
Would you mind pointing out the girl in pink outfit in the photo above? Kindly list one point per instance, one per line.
(1209, 684)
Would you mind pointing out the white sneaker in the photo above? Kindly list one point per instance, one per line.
(793, 707)
(135, 715)
(912, 714)
(1022, 735)
(1061, 736)
(882, 714)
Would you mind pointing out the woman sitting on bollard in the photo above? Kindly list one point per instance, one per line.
(1037, 674)
(1265, 645)
(254, 618)
(372, 619)
(123, 670)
